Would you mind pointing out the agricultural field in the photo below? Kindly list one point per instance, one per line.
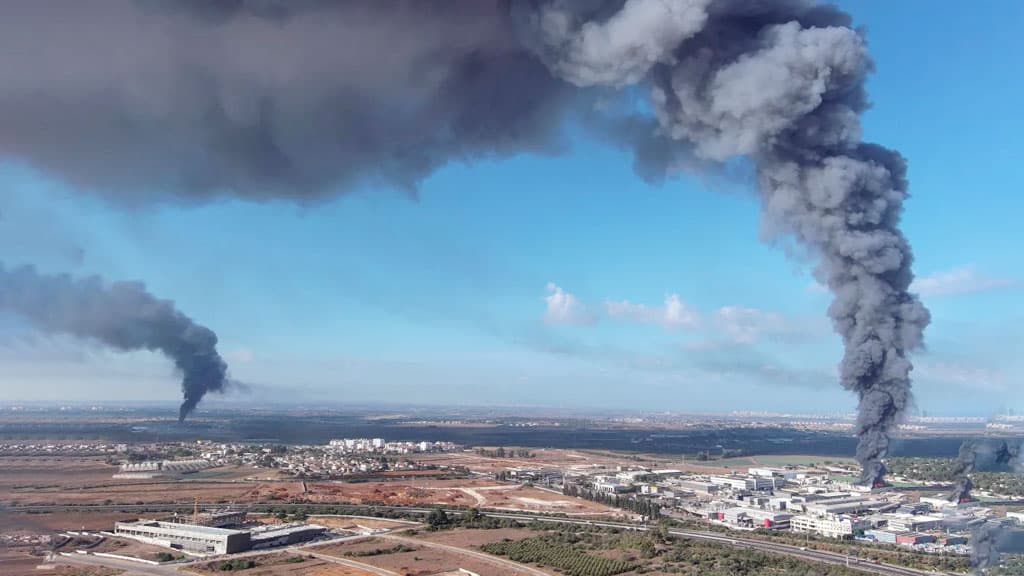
(629, 554)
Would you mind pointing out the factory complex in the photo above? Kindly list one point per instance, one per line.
(813, 501)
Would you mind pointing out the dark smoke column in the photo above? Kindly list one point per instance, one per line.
(122, 315)
(305, 98)
(781, 83)
(963, 466)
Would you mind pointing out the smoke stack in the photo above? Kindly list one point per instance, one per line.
(303, 99)
(121, 315)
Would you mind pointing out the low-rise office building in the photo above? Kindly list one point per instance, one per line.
(834, 527)
(186, 537)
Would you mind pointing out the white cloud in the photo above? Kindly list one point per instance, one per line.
(674, 313)
(958, 281)
(747, 325)
(565, 308)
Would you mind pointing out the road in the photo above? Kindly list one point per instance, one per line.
(772, 547)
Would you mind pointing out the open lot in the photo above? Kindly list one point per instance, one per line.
(20, 563)
(87, 480)
(275, 564)
(479, 493)
(570, 461)
(352, 522)
(60, 521)
(126, 547)
(421, 558)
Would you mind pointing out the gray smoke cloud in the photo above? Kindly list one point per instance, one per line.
(985, 546)
(300, 99)
(121, 315)
(981, 455)
(998, 455)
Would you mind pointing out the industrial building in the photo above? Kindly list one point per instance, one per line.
(913, 523)
(157, 468)
(284, 534)
(186, 537)
(698, 487)
(835, 527)
(198, 539)
(749, 482)
(883, 536)
(755, 518)
(833, 507)
(216, 518)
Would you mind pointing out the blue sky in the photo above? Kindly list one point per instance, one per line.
(567, 280)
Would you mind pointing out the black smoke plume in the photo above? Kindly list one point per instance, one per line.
(305, 98)
(121, 315)
(963, 466)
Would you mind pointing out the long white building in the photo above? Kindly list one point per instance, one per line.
(187, 537)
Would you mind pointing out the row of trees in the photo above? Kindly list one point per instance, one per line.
(471, 518)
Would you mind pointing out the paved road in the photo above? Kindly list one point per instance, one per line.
(496, 560)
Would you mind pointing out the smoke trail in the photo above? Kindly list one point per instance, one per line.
(306, 98)
(122, 315)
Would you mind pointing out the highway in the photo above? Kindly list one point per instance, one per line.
(728, 539)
